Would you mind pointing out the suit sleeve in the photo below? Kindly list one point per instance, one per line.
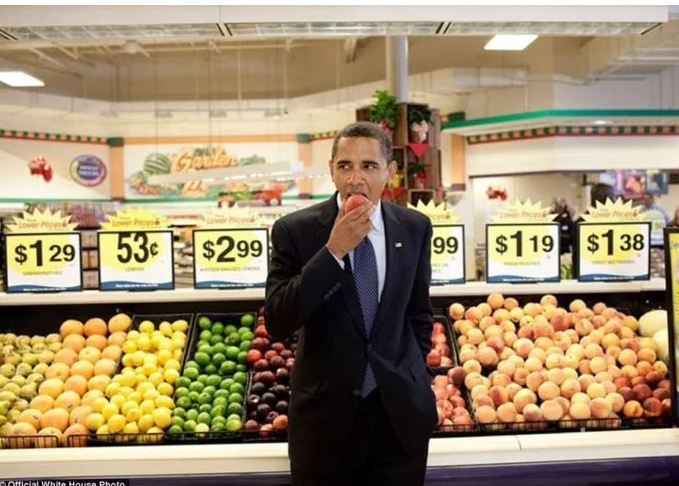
(295, 290)
(419, 310)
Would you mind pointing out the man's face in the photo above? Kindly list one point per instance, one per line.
(360, 168)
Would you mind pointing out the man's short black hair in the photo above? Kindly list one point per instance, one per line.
(367, 130)
(600, 192)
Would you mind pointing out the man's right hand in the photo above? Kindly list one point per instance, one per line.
(349, 229)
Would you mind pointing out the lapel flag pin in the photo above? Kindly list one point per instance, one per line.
(398, 244)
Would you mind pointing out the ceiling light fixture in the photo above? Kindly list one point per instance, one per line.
(601, 122)
(20, 79)
(502, 42)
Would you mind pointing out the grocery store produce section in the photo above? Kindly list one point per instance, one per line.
(171, 378)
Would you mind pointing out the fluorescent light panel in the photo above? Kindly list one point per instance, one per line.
(19, 79)
(504, 42)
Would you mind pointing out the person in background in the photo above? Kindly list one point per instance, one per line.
(648, 202)
(354, 284)
(675, 220)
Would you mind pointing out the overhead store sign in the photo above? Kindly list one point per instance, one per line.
(88, 170)
(43, 253)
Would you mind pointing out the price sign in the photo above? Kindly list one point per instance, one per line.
(447, 254)
(48, 262)
(227, 258)
(522, 252)
(136, 260)
(613, 251)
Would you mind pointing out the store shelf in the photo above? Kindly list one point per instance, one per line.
(225, 459)
(192, 295)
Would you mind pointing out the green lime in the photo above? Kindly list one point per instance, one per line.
(218, 401)
(247, 320)
(204, 322)
(202, 359)
(215, 340)
(202, 429)
(226, 383)
(210, 390)
(206, 407)
(219, 348)
(177, 421)
(232, 352)
(229, 329)
(203, 378)
(205, 348)
(175, 430)
(245, 345)
(202, 343)
(184, 402)
(218, 419)
(191, 415)
(240, 377)
(235, 398)
(179, 412)
(233, 416)
(218, 427)
(191, 364)
(204, 418)
(241, 367)
(193, 395)
(233, 338)
(196, 386)
(218, 411)
(181, 392)
(242, 357)
(190, 425)
(222, 394)
(204, 398)
(183, 381)
(235, 408)
(218, 323)
(214, 380)
(191, 374)
(217, 328)
(218, 359)
(247, 336)
(237, 388)
(211, 369)
(227, 368)
(234, 425)
(205, 335)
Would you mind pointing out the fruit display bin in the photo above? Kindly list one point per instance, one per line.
(448, 333)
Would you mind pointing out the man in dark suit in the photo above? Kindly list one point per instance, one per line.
(355, 285)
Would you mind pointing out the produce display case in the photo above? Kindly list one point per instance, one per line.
(466, 457)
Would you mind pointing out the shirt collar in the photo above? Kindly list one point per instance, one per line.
(375, 218)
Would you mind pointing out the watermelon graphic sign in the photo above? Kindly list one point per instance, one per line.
(142, 163)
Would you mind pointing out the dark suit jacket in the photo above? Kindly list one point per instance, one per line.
(308, 291)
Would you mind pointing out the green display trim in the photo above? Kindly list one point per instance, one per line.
(22, 200)
(534, 115)
(303, 137)
(51, 137)
(574, 131)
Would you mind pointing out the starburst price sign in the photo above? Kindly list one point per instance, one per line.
(135, 252)
(613, 243)
(43, 253)
(231, 249)
(447, 243)
(522, 245)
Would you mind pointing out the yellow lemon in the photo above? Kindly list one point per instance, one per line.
(166, 328)
(164, 401)
(148, 368)
(162, 417)
(118, 400)
(129, 347)
(133, 335)
(172, 364)
(146, 327)
(133, 414)
(127, 361)
(144, 343)
(129, 380)
(138, 358)
(156, 378)
(155, 434)
(171, 375)
(131, 428)
(98, 404)
(167, 345)
(127, 406)
(112, 389)
(165, 389)
(94, 421)
(147, 406)
(177, 354)
(135, 397)
(109, 410)
(126, 390)
(103, 430)
(181, 325)
(151, 394)
(145, 422)
(116, 424)
(163, 356)
(144, 386)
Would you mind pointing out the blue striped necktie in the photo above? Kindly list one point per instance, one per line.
(365, 278)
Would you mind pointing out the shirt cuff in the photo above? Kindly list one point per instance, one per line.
(339, 260)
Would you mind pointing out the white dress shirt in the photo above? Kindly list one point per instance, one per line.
(376, 236)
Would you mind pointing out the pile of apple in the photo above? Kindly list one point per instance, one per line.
(544, 363)
(51, 384)
(440, 347)
(269, 394)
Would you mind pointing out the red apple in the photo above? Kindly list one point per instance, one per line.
(253, 355)
(354, 201)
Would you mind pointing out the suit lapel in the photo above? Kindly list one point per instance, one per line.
(326, 221)
(394, 240)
